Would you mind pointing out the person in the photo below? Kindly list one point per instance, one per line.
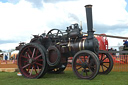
(6, 58)
(125, 43)
(14, 58)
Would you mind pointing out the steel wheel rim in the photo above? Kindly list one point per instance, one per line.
(31, 61)
(89, 68)
(106, 64)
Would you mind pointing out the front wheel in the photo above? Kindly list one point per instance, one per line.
(106, 63)
(85, 64)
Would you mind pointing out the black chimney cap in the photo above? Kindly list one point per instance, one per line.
(88, 6)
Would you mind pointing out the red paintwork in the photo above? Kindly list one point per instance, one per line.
(103, 42)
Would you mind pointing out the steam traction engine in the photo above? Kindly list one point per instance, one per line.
(48, 53)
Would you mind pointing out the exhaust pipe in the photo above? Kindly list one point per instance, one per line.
(89, 21)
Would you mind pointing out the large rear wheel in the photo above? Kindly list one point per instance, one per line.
(31, 61)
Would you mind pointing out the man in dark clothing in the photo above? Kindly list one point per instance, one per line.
(6, 58)
(125, 43)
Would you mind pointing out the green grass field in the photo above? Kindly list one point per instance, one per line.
(68, 78)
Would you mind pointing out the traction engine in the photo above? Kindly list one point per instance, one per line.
(49, 53)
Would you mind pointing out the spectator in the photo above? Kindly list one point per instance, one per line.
(125, 47)
(125, 43)
(6, 58)
(14, 58)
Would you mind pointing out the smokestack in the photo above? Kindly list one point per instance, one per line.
(89, 21)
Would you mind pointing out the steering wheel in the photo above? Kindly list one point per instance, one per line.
(54, 33)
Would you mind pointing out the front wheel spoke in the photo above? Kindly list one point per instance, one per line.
(88, 58)
(104, 58)
(101, 56)
(84, 58)
(105, 66)
(102, 68)
(90, 70)
(86, 63)
(37, 57)
(80, 60)
(82, 72)
(93, 67)
(106, 62)
(78, 64)
(79, 68)
(25, 66)
(86, 72)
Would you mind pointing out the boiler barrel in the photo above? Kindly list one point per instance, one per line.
(84, 44)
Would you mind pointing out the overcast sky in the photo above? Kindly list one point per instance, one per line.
(19, 19)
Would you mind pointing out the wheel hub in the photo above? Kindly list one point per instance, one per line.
(101, 62)
(84, 65)
(31, 61)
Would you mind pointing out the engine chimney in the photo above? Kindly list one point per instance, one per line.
(89, 21)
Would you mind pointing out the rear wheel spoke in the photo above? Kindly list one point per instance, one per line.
(37, 57)
(31, 71)
(29, 50)
(37, 52)
(35, 69)
(25, 61)
(28, 54)
(25, 66)
(33, 53)
(38, 64)
(38, 69)
(29, 68)
(40, 60)
(24, 57)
